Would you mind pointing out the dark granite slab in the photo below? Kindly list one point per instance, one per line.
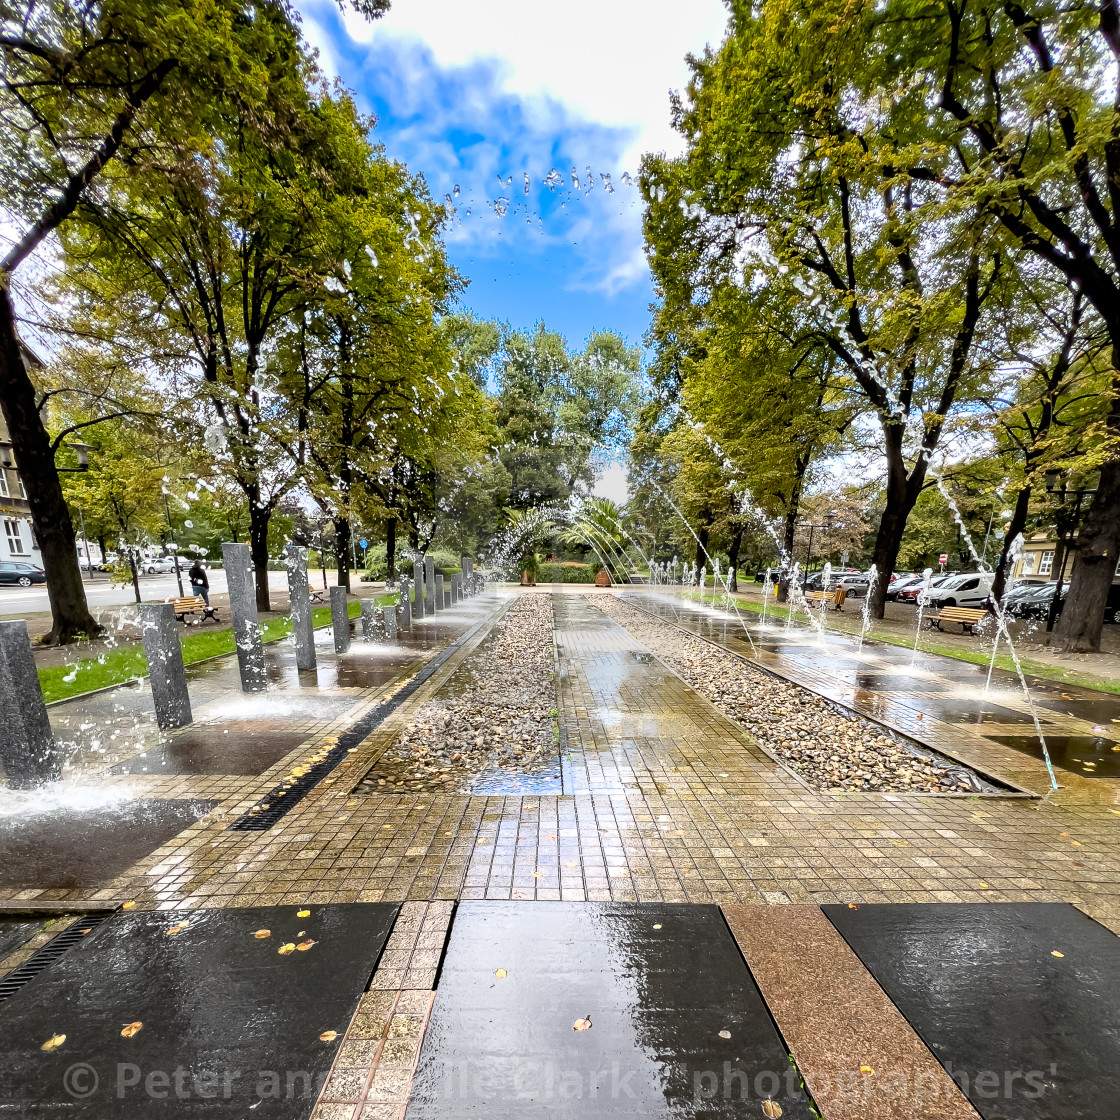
(1020, 1002)
(658, 983)
(213, 749)
(1088, 755)
(230, 1027)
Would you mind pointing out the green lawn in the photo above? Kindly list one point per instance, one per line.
(927, 645)
(128, 663)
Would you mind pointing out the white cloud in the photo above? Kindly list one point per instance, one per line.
(609, 61)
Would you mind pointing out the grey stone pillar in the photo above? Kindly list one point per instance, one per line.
(340, 619)
(299, 596)
(429, 585)
(405, 606)
(243, 610)
(165, 665)
(369, 620)
(454, 588)
(27, 747)
(441, 603)
(464, 577)
(389, 613)
(418, 589)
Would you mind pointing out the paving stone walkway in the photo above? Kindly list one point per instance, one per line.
(663, 801)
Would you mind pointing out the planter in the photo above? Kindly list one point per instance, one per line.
(602, 579)
(528, 579)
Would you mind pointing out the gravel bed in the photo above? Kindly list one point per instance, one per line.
(496, 715)
(829, 750)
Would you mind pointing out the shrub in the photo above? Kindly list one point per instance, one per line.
(567, 572)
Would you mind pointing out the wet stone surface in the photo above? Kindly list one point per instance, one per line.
(830, 751)
(225, 1024)
(1019, 1002)
(1089, 756)
(15, 931)
(599, 1009)
(84, 847)
(493, 728)
(215, 750)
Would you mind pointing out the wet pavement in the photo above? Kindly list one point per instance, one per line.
(663, 803)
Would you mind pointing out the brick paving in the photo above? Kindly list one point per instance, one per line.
(664, 799)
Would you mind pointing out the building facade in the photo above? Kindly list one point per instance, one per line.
(17, 540)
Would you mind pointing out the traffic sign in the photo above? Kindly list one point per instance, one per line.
(364, 544)
(943, 558)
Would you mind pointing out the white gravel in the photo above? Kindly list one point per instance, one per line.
(830, 751)
(498, 711)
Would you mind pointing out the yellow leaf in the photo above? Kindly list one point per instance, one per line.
(866, 1069)
(1055, 953)
(303, 946)
(853, 905)
(583, 1024)
(54, 1042)
(131, 1029)
(128, 905)
(303, 913)
(285, 949)
(178, 928)
(985, 887)
(328, 1036)
(500, 973)
(771, 1108)
(725, 1034)
(261, 934)
(656, 925)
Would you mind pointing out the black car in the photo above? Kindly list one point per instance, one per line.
(12, 571)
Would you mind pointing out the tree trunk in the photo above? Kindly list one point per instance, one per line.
(1017, 525)
(135, 573)
(391, 550)
(902, 493)
(733, 560)
(258, 547)
(1098, 552)
(49, 513)
(342, 551)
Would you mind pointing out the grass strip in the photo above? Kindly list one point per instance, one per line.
(128, 663)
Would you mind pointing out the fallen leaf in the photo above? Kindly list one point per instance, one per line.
(303, 946)
(303, 913)
(177, 928)
(853, 905)
(866, 1069)
(1055, 953)
(285, 949)
(583, 1024)
(54, 1042)
(500, 973)
(261, 934)
(725, 1034)
(131, 1029)
(771, 1108)
(985, 887)
(656, 925)
(128, 905)
(328, 1036)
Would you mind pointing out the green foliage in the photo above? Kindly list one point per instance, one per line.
(567, 572)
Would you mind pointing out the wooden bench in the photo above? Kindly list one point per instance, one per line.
(313, 595)
(968, 617)
(193, 604)
(834, 598)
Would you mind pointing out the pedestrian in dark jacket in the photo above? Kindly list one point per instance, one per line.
(200, 585)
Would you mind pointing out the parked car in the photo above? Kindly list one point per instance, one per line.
(968, 590)
(158, 565)
(1032, 600)
(855, 584)
(897, 586)
(13, 571)
(910, 594)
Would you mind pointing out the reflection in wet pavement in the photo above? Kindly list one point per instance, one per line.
(214, 749)
(1086, 755)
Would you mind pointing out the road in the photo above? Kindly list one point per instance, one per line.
(22, 601)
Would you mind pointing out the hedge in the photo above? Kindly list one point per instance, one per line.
(565, 573)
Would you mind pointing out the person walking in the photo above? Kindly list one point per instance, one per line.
(200, 584)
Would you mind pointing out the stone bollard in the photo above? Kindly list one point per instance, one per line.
(389, 613)
(418, 589)
(454, 589)
(340, 619)
(243, 610)
(441, 603)
(27, 748)
(430, 585)
(464, 577)
(369, 620)
(165, 665)
(299, 596)
(405, 606)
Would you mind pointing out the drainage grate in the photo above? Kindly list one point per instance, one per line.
(284, 798)
(49, 953)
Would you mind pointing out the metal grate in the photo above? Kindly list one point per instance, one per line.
(284, 798)
(50, 952)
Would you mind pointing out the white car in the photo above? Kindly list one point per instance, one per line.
(968, 590)
(159, 565)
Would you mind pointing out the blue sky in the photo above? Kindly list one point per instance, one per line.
(480, 93)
